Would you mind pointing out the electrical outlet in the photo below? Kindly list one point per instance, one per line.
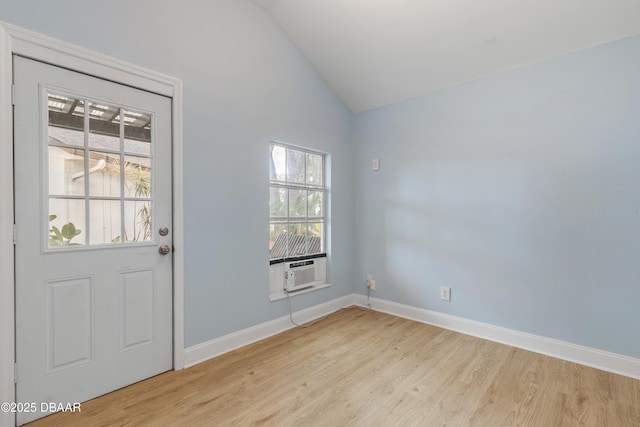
(371, 284)
(445, 293)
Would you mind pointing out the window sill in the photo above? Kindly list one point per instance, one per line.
(275, 296)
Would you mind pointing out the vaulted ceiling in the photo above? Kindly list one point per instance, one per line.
(376, 52)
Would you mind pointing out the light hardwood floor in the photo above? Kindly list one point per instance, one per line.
(364, 368)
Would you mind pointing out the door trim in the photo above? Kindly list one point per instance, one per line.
(15, 40)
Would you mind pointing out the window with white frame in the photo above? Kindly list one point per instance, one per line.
(297, 203)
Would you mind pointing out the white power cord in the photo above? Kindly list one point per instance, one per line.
(306, 325)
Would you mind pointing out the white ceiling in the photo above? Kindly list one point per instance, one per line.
(376, 52)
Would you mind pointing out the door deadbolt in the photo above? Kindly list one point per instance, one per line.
(163, 231)
(164, 249)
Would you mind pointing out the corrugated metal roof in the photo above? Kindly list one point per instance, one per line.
(297, 245)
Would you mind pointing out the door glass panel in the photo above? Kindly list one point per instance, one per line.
(104, 127)
(99, 173)
(137, 133)
(66, 222)
(105, 221)
(137, 221)
(66, 121)
(137, 177)
(66, 171)
(104, 174)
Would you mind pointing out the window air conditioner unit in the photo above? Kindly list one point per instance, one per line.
(300, 274)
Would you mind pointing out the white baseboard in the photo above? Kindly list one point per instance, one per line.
(210, 349)
(599, 359)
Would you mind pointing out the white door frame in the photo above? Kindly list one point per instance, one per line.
(15, 40)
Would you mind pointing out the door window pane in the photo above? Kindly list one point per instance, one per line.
(137, 221)
(66, 121)
(66, 222)
(104, 127)
(137, 133)
(66, 171)
(137, 177)
(104, 174)
(105, 221)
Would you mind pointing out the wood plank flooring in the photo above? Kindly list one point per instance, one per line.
(364, 368)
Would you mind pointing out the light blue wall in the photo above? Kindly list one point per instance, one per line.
(520, 191)
(244, 83)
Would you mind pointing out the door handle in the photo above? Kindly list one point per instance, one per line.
(164, 249)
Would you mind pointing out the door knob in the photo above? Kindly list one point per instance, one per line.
(164, 249)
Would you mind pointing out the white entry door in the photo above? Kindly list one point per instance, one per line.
(93, 235)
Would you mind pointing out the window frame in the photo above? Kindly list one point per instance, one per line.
(287, 220)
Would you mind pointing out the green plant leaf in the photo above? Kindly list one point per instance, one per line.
(69, 231)
(56, 233)
(52, 217)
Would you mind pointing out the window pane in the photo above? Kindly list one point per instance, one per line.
(104, 174)
(277, 171)
(105, 221)
(295, 166)
(137, 221)
(297, 240)
(278, 202)
(315, 236)
(104, 127)
(314, 169)
(297, 203)
(137, 133)
(66, 222)
(66, 171)
(316, 203)
(278, 240)
(66, 121)
(137, 177)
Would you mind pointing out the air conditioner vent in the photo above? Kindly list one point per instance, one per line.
(299, 275)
